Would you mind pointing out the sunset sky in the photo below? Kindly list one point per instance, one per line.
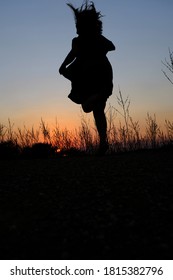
(35, 37)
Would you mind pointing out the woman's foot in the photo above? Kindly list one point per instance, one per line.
(89, 105)
(103, 148)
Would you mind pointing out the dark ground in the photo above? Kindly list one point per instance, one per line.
(111, 207)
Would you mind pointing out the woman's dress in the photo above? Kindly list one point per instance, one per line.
(91, 72)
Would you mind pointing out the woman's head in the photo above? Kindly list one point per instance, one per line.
(87, 19)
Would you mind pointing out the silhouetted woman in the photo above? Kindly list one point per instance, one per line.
(88, 68)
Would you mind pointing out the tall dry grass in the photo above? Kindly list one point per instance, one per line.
(124, 134)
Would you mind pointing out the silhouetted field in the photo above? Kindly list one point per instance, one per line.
(86, 207)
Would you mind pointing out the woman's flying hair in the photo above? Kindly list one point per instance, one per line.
(87, 18)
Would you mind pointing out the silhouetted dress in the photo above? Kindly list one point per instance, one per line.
(91, 72)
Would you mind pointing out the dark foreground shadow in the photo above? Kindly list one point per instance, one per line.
(116, 207)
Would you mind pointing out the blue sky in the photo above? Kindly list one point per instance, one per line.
(36, 36)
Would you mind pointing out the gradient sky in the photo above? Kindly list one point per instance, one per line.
(35, 37)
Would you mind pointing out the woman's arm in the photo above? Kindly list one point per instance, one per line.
(107, 44)
(70, 57)
(111, 46)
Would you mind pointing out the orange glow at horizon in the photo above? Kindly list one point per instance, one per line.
(74, 124)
